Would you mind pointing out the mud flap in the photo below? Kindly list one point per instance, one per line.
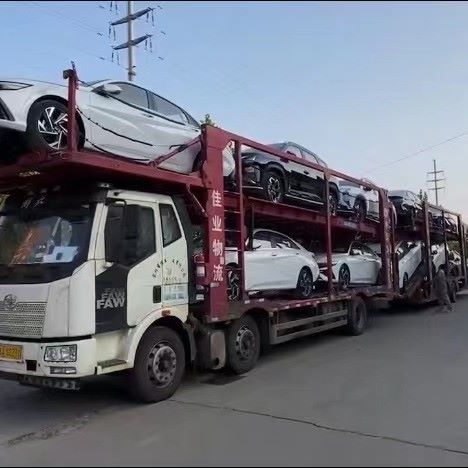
(211, 350)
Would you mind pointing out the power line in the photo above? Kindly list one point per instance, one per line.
(77, 23)
(422, 150)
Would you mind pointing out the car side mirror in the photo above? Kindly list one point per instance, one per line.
(108, 88)
(354, 252)
(434, 251)
(367, 189)
(256, 246)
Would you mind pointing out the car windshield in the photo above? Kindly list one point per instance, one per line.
(278, 146)
(342, 249)
(92, 83)
(41, 233)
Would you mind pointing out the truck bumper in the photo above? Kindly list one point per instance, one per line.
(32, 363)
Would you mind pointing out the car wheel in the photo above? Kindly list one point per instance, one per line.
(359, 211)
(273, 186)
(47, 126)
(305, 284)
(233, 283)
(344, 278)
(159, 365)
(333, 203)
(243, 345)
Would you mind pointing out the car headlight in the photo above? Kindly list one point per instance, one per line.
(64, 353)
(12, 85)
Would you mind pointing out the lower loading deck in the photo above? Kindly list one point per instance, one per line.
(282, 320)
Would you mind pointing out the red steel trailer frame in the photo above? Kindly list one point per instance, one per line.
(205, 191)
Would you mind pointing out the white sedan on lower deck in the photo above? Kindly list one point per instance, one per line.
(409, 255)
(276, 262)
(114, 116)
(353, 264)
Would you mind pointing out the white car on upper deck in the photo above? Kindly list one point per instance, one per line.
(114, 116)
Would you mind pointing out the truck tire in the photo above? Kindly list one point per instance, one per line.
(357, 317)
(159, 365)
(243, 345)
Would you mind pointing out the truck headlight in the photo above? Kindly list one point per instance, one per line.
(64, 353)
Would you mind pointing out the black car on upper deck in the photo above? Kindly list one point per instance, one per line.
(280, 179)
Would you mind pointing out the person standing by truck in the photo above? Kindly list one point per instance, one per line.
(442, 291)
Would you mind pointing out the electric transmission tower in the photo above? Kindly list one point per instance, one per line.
(132, 42)
(435, 180)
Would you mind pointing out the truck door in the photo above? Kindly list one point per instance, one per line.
(174, 270)
(127, 287)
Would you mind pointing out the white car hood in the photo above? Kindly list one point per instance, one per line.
(33, 82)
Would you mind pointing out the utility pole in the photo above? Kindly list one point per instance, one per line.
(435, 173)
(131, 55)
(131, 42)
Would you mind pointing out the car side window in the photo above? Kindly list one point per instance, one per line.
(370, 252)
(294, 151)
(310, 157)
(133, 95)
(355, 249)
(283, 242)
(262, 240)
(167, 109)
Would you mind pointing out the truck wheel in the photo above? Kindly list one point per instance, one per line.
(243, 345)
(357, 317)
(159, 365)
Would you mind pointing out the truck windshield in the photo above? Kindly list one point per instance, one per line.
(44, 234)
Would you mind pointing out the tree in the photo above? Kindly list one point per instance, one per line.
(422, 195)
(207, 121)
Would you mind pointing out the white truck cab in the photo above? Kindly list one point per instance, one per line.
(84, 273)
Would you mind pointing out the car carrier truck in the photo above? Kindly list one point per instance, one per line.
(115, 282)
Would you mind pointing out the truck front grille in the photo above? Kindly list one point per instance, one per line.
(26, 320)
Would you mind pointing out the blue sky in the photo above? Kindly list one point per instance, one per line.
(360, 83)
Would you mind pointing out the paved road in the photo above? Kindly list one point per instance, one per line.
(394, 396)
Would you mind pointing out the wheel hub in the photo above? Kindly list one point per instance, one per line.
(162, 364)
(274, 189)
(245, 343)
(52, 125)
(306, 284)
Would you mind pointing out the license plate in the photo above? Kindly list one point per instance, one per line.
(11, 352)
